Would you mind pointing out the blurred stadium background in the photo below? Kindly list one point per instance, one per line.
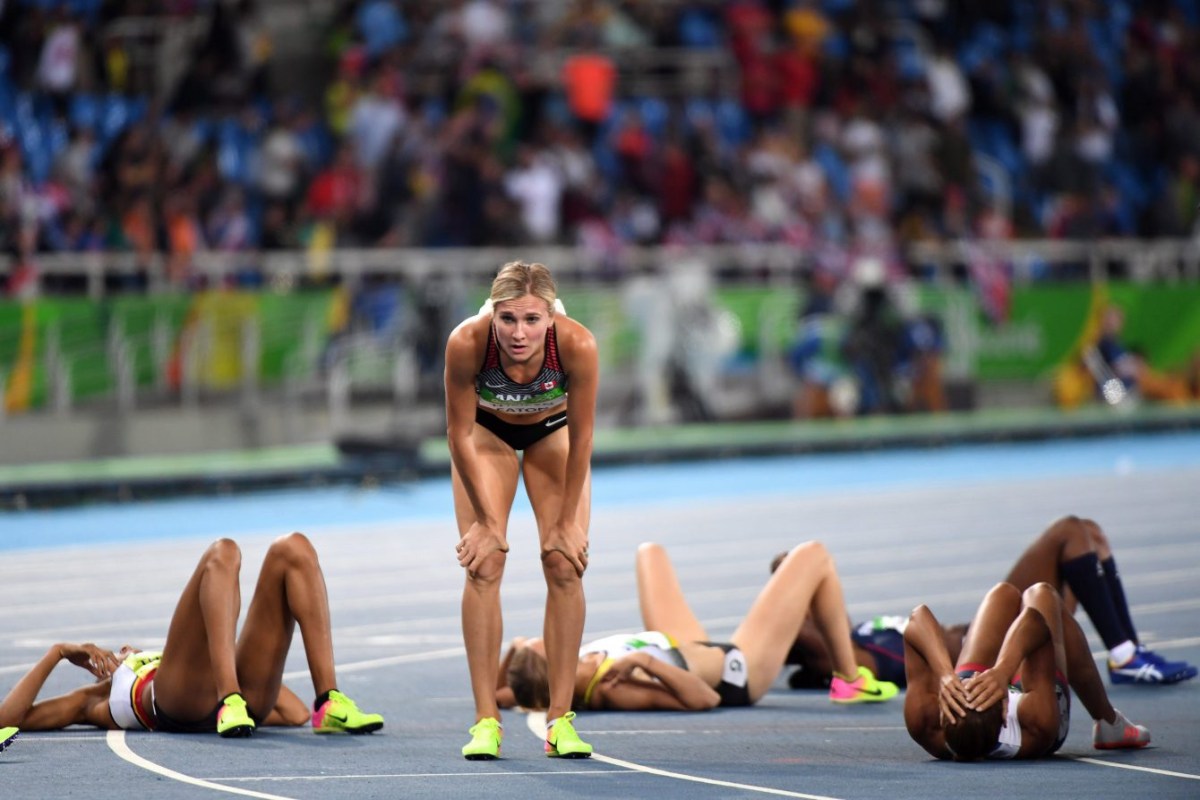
(234, 235)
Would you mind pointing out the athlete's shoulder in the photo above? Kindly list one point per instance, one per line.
(471, 333)
(573, 335)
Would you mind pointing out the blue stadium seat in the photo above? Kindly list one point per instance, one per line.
(733, 125)
(234, 145)
(835, 169)
(115, 115)
(698, 28)
(84, 111)
(655, 115)
(698, 112)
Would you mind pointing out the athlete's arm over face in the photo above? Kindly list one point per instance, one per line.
(577, 348)
(464, 353)
(87, 705)
(639, 682)
(935, 694)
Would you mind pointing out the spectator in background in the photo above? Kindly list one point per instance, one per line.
(75, 167)
(949, 91)
(872, 341)
(376, 118)
(58, 64)
(282, 159)
(228, 226)
(467, 148)
(1130, 367)
(185, 236)
(537, 187)
(381, 26)
(589, 79)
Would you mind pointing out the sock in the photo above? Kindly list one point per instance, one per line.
(1122, 652)
(1117, 592)
(1085, 576)
(320, 701)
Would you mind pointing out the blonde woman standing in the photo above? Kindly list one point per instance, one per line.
(509, 373)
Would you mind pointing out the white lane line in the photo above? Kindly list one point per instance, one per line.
(389, 661)
(536, 722)
(116, 743)
(539, 773)
(1135, 768)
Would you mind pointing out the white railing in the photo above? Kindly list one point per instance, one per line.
(1138, 260)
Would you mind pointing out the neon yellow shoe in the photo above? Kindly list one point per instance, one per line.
(234, 720)
(339, 714)
(563, 742)
(485, 740)
(863, 689)
(7, 737)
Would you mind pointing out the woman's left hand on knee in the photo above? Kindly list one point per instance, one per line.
(571, 541)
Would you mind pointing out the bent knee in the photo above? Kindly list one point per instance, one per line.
(1008, 592)
(224, 552)
(558, 569)
(490, 570)
(650, 548)
(813, 551)
(1038, 590)
(1098, 539)
(294, 547)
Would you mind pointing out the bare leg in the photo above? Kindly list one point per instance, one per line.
(805, 583)
(1046, 600)
(1040, 685)
(664, 607)
(199, 664)
(566, 608)
(996, 613)
(290, 591)
(1082, 673)
(482, 623)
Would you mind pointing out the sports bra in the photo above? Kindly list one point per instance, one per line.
(498, 392)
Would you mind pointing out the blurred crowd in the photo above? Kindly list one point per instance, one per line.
(848, 128)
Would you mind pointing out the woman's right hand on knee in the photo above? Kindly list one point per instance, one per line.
(477, 545)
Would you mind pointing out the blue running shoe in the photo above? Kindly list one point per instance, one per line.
(1182, 668)
(7, 737)
(1148, 667)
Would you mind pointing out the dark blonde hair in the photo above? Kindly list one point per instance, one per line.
(529, 678)
(976, 734)
(519, 278)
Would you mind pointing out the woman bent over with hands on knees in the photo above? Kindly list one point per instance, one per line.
(1007, 696)
(509, 370)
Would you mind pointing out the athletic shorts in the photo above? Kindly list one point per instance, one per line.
(735, 677)
(208, 724)
(887, 645)
(520, 437)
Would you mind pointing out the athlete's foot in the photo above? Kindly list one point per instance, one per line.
(7, 737)
(563, 742)
(1146, 666)
(234, 720)
(486, 736)
(863, 689)
(339, 714)
(1120, 734)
